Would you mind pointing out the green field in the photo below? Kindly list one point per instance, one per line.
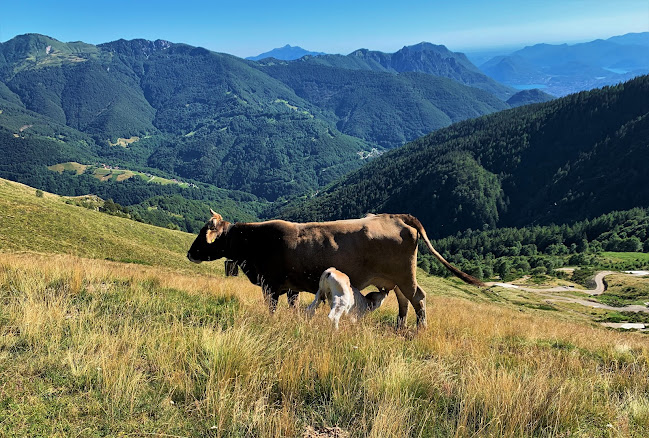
(113, 174)
(71, 166)
(50, 225)
(625, 257)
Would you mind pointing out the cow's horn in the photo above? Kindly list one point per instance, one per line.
(215, 214)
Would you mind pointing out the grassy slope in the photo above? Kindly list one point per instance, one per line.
(48, 225)
(91, 347)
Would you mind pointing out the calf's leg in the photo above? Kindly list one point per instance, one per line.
(337, 309)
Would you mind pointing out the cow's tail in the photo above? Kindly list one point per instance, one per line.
(414, 222)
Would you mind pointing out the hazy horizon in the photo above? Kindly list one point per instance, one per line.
(331, 27)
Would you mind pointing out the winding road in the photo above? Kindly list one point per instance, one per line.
(599, 289)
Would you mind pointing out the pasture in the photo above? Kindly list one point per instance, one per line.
(162, 347)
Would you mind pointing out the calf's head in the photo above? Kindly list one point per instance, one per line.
(210, 243)
(375, 299)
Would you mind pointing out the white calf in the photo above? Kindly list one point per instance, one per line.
(343, 297)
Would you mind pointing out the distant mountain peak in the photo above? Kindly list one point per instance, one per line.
(423, 46)
(33, 50)
(286, 53)
(359, 52)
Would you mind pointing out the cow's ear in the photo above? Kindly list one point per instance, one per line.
(211, 236)
(215, 215)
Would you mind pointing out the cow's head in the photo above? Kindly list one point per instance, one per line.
(210, 243)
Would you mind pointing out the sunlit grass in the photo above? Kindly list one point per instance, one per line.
(48, 225)
(92, 347)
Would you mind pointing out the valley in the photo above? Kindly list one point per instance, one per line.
(113, 155)
(562, 69)
(228, 122)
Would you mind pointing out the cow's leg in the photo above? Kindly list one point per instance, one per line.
(417, 298)
(419, 303)
(292, 298)
(403, 308)
(271, 296)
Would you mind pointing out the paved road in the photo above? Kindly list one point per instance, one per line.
(599, 289)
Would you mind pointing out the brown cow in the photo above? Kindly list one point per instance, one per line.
(280, 256)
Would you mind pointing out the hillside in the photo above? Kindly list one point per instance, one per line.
(215, 118)
(385, 108)
(560, 161)
(35, 157)
(126, 337)
(528, 97)
(563, 69)
(48, 224)
(435, 60)
(223, 122)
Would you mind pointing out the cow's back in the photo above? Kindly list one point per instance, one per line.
(374, 247)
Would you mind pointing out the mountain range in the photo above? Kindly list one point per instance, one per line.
(273, 128)
(563, 69)
(240, 133)
(424, 57)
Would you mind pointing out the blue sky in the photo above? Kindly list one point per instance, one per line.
(249, 27)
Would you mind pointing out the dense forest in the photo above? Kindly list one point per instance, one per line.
(512, 252)
(557, 162)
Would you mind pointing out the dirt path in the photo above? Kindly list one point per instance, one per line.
(599, 289)
(630, 308)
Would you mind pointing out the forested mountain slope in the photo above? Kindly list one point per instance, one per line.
(385, 108)
(194, 113)
(564, 160)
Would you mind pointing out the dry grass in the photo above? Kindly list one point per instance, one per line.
(93, 348)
